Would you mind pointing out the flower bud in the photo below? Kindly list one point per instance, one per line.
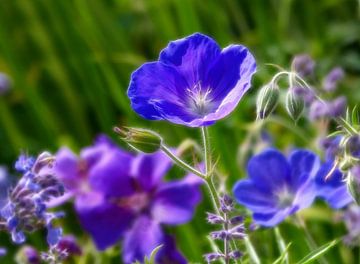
(294, 105)
(353, 183)
(267, 100)
(140, 139)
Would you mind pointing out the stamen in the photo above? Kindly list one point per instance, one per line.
(200, 101)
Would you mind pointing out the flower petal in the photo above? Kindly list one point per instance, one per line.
(111, 174)
(175, 201)
(273, 219)
(155, 83)
(304, 165)
(229, 79)
(247, 194)
(191, 56)
(333, 189)
(168, 254)
(144, 236)
(269, 170)
(149, 169)
(66, 168)
(105, 222)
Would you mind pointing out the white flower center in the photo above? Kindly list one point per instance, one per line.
(200, 101)
(285, 198)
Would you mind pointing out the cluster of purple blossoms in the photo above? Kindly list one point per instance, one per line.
(194, 82)
(65, 248)
(121, 196)
(25, 209)
(278, 187)
(304, 66)
(232, 229)
(351, 219)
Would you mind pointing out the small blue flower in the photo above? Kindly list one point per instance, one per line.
(278, 187)
(332, 189)
(24, 163)
(194, 83)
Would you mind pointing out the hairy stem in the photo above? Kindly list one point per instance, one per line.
(182, 164)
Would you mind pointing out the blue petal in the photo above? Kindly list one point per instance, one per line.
(17, 237)
(175, 202)
(105, 222)
(168, 254)
(111, 174)
(150, 169)
(247, 194)
(304, 165)
(141, 240)
(333, 189)
(269, 170)
(156, 82)
(273, 219)
(191, 56)
(53, 235)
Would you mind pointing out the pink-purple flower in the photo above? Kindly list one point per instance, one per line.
(120, 196)
(194, 82)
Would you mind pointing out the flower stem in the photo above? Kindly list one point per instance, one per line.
(207, 150)
(182, 164)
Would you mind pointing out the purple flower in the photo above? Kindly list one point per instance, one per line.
(5, 83)
(25, 209)
(303, 64)
(194, 82)
(351, 219)
(119, 196)
(332, 78)
(332, 189)
(327, 109)
(277, 187)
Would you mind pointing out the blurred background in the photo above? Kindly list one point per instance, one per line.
(70, 62)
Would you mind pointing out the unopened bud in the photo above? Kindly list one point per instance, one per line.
(353, 183)
(267, 100)
(140, 139)
(294, 105)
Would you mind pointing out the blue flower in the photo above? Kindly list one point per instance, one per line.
(194, 82)
(332, 189)
(278, 187)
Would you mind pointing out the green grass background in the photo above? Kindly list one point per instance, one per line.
(70, 64)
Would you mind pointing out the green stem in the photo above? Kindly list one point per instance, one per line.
(281, 244)
(180, 162)
(310, 240)
(207, 150)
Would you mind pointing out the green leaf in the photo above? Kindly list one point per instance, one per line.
(281, 244)
(318, 252)
(283, 258)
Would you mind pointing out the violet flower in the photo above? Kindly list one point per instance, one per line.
(277, 187)
(351, 219)
(25, 210)
(331, 80)
(119, 196)
(303, 65)
(332, 189)
(5, 83)
(194, 82)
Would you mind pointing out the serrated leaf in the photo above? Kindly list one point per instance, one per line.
(318, 252)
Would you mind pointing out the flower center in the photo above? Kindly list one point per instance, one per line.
(285, 198)
(136, 202)
(200, 101)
